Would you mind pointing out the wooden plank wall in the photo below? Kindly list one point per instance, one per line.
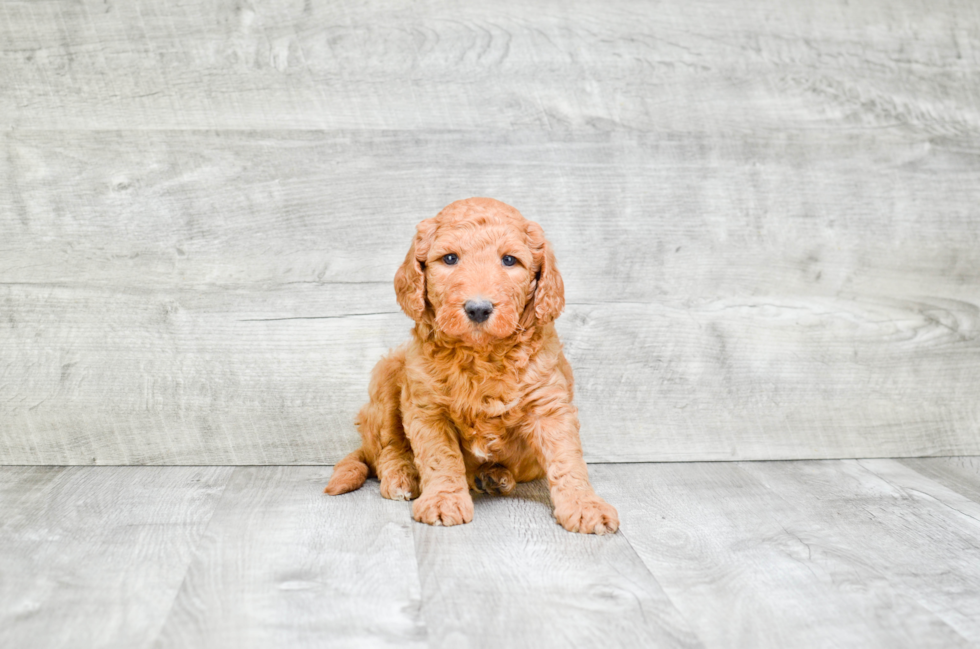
(767, 214)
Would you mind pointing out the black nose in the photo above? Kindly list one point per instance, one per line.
(478, 310)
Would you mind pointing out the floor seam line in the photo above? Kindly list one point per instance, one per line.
(194, 553)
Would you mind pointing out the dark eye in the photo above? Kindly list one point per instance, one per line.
(509, 261)
(450, 259)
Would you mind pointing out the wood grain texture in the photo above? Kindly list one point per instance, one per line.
(746, 566)
(961, 474)
(862, 553)
(561, 65)
(765, 214)
(96, 558)
(514, 578)
(185, 297)
(919, 538)
(282, 564)
(917, 484)
(632, 217)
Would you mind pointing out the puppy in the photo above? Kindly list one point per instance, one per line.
(481, 397)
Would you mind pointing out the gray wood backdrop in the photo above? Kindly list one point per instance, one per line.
(766, 213)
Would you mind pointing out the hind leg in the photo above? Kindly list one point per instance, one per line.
(397, 472)
(380, 425)
(494, 479)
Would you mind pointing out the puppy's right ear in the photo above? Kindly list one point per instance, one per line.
(410, 277)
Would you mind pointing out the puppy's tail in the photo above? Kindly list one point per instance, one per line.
(349, 474)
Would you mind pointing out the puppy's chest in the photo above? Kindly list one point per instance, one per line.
(486, 435)
(484, 408)
(487, 400)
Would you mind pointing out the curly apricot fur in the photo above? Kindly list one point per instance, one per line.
(468, 404)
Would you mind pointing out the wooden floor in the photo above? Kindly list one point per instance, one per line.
(829, 553)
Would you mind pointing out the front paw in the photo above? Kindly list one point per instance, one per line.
(588, 514)
(443, 508)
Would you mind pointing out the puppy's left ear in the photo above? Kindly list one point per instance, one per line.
(549, 295)
(410, 276)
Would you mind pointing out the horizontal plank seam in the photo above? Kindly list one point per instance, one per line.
(318, 317)
(187, 286)
(590, 462)
(785, 459)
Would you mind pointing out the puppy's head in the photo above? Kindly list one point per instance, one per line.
(479, 272)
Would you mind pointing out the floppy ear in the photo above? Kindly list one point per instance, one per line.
(410, 277)
(548, 299)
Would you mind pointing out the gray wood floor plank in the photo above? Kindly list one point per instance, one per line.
(767, 554)
(571, 65)
(95, 557)
(23, 488)
(282, 564)
(514, 578)
(923, 548)
(747, 568)
(924, 486)
(961, 474)
(185, 297)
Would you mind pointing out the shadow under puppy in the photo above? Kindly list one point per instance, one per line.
(481, 397)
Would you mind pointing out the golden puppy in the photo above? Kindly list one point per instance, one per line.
(481, 397)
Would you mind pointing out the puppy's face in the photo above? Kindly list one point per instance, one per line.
(478, 280)
(479, 272)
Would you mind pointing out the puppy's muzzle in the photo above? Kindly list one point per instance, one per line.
(478, 310)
